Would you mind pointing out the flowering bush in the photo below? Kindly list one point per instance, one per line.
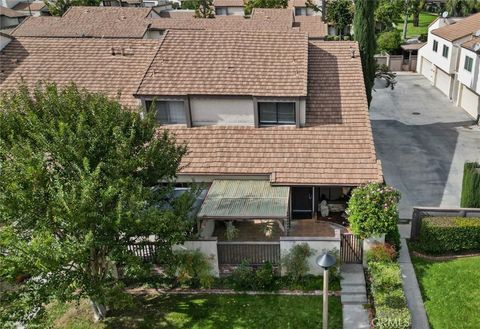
(372, 210)
(382, 253)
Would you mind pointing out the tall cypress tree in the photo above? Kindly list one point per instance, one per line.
(364, 33)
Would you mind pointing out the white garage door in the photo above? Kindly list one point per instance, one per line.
(470, 102)
(443, 81)
(426, 69)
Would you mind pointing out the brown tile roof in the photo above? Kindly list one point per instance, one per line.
(102, 22)
(178, 14)
(34, 6)
(297, 3)
(228, 3)
(459, 29)
(4, 11)
(88, 62)
(226, 63)
(336, 147)
(471, 43)
(272, 14)
(312, 25)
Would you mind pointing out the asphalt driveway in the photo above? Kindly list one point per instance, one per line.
(423, 141)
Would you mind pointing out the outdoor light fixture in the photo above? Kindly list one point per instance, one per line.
(325, 261)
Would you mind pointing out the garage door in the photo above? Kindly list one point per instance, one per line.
(443, 81)
(426, 69)
(469, 102)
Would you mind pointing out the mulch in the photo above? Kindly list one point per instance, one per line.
(442, 257)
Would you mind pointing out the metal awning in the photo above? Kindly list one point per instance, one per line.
(245, 199)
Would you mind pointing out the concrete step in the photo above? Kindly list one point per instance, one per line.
(354, 299)
(355, 317)
(353, 289)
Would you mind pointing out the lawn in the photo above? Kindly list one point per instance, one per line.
(412, 31)
(206, 311)
(451, 292)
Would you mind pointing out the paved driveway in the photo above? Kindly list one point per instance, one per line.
(423, 140)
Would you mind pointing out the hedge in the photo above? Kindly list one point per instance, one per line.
(471, 185)
(391, 310)
(449, 234)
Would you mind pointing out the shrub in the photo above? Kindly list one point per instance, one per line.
(190, 268)
(471, 185)
(243, 278)
(265, 277)
(295, 262)
(382, 253)
(372, 210)
(391, 310)
(336, 38)
(388, 41)
(449, 234)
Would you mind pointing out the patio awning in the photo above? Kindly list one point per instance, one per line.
(245, 199)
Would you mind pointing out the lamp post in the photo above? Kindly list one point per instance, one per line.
(325, 261)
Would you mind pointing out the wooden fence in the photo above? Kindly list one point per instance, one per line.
(351, 249)
(146, 251)
(421, 212)
(255, 252)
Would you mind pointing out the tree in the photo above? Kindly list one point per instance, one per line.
(388, 41)
(412, 8)
(364, 33)
(387, 12)
(264, 4)
(462, 7)
(80, 177)
(204, 9)
(340, 14)
(58, 7)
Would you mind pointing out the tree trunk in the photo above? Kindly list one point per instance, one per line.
(99, 311)
(405, 21)
(416, 19)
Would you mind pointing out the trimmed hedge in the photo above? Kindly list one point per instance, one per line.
(449, 234)
(471, 185)
(386, 288)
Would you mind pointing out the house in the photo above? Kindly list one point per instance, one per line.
(229, 7)
(10, 18)
(443, 60)
(276, 123)
(301, 9)
(34, 8)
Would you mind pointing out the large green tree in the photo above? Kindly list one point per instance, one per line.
(340, 14)
(387, 12)
(59, 7)
(250, 4)
(364, 33)
(204, 9)
(462, 7)
(80, 177)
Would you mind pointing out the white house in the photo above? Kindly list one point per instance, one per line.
(442, 60)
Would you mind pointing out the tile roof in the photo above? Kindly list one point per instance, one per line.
(178, 14)
(336, 146)
(312, 25)
(102, 22)
(271, 14)
(297, 3)
(226, 63)
(471, 43)
(4, 11)
(228, 3)
(34, 6)
(88, 62)
(460, 29)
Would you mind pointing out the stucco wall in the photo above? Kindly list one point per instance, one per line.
(221, 111)
(208, 247)
(469, 79)
(320, 245)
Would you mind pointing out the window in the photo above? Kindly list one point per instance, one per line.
(445, 51)
(220, 11)
(435, 45)
(168, 112)
(468, 63)
(300, 11)
(276, 113)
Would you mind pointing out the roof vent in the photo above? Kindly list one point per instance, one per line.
(476, 47)
(353, 52)
(476, 33)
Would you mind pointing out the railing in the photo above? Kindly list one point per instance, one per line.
(421, 212)
(146, 251)
(255, 252)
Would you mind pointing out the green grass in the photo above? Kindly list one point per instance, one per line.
(451, 292)
(206, 311)
(412, 31)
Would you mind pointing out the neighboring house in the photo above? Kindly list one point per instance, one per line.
(301, 9)
(10, 18)
(34, 8)
(442, 60)
(275, 122)
(229, 7)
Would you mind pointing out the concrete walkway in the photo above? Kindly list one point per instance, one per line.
(412, 290)
(354, 296)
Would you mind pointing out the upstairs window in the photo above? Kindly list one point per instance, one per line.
(168, 112)
(435, 45)
(445, 51)
(280, 113)
(468, 65)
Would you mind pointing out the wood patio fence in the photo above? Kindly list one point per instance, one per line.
(255, 252)
(351, 249)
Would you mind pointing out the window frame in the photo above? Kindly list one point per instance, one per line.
(148, 104)
(468, 64)
(276, 123)
(446, 50)
(435, 46)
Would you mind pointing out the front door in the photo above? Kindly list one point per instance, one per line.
(302, 202)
